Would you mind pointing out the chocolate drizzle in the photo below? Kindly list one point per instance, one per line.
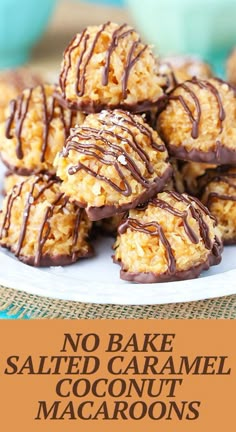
(196, 213)
(97, 213)
(116, 37)
(38, 187)
(19, 110)
(218, 153)
(19, 115)
(169, 75)
(86, 54)
(219, 185)
(103, 145)
(202, 84)
(177, 69)
(221, 155)
(219, 177)
(151, 277)
(154, 228)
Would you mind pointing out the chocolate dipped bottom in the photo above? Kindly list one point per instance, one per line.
(151, 277)
(198, 123)
(112, 162)
(173, 237)
(108, 66)
(35, 130)
(41, 227)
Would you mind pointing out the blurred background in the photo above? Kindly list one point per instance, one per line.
(37, 32)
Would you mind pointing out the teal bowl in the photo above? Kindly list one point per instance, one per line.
(22, 22)
(202, 27)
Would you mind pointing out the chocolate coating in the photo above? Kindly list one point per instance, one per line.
(150, 277)
(97, 213)
(91, 107)
(221, 155)
(230, 242)
(56, 260)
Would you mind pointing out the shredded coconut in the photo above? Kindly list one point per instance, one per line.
(122, 160)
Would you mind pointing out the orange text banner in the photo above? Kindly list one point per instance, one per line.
(118, 375)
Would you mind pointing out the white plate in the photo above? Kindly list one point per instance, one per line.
(96, 280)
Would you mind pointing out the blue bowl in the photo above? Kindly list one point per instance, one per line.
(22, 22)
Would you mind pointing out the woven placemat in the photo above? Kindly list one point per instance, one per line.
(33, 306)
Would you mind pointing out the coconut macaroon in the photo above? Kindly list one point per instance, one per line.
(231, 67)
(218, 193)
(112, 162)
(190, 173)
(41, 227)
(36, 130)
(12, 83)
(199, 122)
(10, 180)
(108, 66)
(178, 69)
(173, 237)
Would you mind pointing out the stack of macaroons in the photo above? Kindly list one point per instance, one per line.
(198, 126)
(95, 151)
